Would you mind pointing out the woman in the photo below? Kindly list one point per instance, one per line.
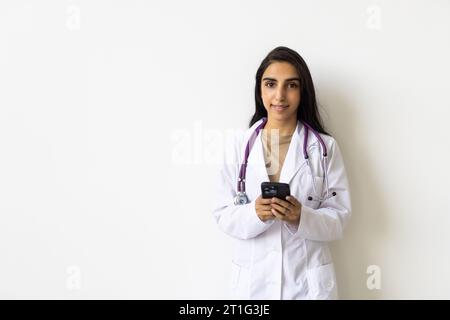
(282, 244)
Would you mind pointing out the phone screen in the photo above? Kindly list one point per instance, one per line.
(275, 189)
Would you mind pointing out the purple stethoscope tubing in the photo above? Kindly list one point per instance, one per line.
(242, 172)
(324, 161)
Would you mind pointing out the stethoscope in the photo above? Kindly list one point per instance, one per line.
(241, 197)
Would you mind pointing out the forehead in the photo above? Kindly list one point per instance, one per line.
(280, 71)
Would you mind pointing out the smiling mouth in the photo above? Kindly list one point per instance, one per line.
(279, 107)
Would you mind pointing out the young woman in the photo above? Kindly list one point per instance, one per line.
(282, 244)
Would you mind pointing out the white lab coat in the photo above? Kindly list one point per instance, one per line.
(272, 260)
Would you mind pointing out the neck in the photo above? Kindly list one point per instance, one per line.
(285, 127)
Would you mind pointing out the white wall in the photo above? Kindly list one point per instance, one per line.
(112, 114)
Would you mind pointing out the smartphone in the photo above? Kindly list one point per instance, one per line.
(275, 189)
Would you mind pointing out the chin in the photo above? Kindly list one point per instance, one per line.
(281, 117)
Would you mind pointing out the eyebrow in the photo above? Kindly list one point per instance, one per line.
(289, 79)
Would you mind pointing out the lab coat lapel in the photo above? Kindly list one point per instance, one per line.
(294, 159)
(257, 163)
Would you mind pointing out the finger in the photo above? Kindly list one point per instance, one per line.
(278, 215)
(279, 208)
(264, 207)
(267, 211)
(261, 200)
(282, 203)
(267, 215)
(293, 200)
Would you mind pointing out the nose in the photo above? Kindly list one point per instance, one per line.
(280, 94)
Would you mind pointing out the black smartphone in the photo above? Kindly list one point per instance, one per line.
(275, 189)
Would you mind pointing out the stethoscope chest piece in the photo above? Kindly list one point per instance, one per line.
(241, 199)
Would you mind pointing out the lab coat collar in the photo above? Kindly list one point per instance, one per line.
(293, 160)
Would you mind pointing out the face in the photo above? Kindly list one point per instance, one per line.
(280, 91)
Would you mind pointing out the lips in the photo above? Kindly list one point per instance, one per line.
(279, 107)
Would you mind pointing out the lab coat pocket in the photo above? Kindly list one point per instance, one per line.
(322, 282)
(314, 191)
(239, 282)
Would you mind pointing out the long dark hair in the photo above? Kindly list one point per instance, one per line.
(307, 110)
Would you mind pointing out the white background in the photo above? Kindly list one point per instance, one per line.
(113, 114)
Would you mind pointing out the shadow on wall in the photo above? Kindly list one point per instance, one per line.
(356, 252)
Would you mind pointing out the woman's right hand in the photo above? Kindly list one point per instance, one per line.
(263, 209)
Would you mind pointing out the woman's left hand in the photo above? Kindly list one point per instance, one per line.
(287, 210)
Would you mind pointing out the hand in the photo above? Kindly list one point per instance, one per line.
(263, 209)
(286, 210)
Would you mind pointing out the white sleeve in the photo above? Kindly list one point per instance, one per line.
(327, 222)
(239, 221)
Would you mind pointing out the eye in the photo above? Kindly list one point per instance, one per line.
(294, 85)
(269, 84)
